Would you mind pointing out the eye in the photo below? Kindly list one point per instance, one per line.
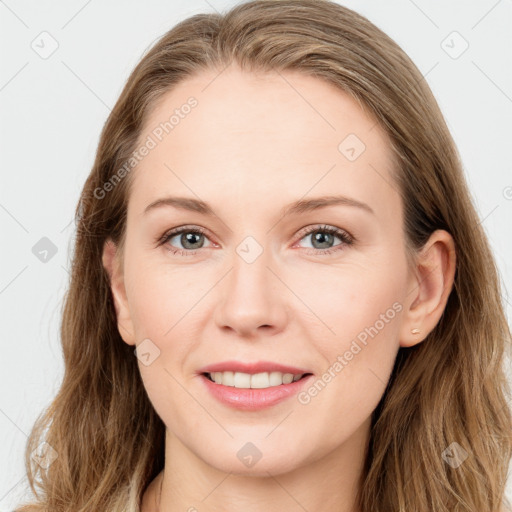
(191, 238)
(322, 239)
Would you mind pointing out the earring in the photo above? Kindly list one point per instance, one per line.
(415, 331)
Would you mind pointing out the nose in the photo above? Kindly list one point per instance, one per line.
(252, 299)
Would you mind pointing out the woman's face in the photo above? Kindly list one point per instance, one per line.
(252, 158)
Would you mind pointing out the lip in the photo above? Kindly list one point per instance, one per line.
(252, 368)
(254, 399)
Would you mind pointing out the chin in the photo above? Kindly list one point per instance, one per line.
(254, 459)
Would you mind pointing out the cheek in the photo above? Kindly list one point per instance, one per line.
(329, 307)
(162, 297)
(345, 302)
(332, 305)
(166, 308)
(355, 327)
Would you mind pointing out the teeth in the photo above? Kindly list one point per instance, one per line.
(254, 381)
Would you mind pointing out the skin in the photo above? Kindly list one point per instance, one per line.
(248, 160)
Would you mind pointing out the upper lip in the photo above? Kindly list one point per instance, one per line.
(252, 368)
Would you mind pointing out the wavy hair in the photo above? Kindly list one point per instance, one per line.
(452, 387)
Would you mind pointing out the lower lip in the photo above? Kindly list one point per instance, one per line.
(253, 399)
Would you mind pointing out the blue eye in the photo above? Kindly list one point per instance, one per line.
(192, 239)
(325, 235)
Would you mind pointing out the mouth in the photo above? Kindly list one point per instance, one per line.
(253, 391)
(253, 385)
(261, 380)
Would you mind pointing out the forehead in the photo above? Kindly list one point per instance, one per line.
(257, 134)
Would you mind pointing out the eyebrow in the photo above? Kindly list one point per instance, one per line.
(300, 206)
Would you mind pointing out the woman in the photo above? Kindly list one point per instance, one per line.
(281, 295)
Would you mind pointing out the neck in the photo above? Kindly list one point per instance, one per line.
(327, 484)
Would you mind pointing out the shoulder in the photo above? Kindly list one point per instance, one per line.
(149, 498)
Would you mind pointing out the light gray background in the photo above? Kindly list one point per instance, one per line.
(52, 111)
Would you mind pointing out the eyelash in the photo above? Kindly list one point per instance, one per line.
(345, 238)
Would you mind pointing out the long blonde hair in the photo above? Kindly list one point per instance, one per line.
(108, 439)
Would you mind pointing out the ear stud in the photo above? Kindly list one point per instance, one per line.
(415, 331)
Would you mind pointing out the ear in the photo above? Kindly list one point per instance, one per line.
(112, 264)
(430, 285)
